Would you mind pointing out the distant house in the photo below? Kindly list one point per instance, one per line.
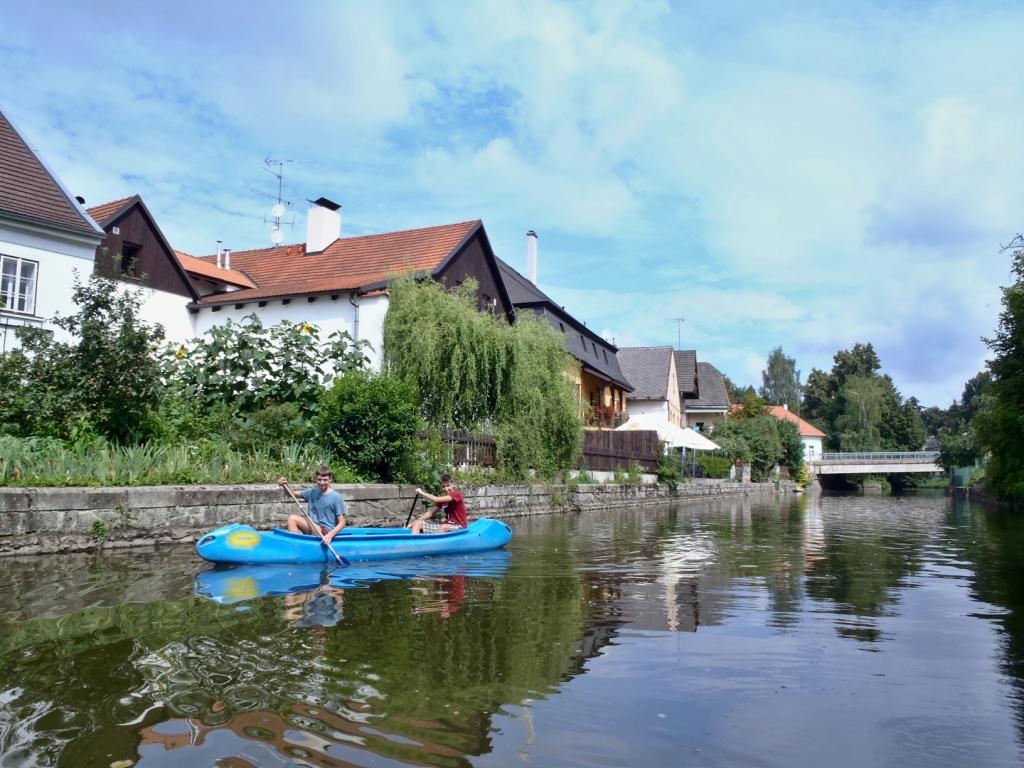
(340, 283)
(811, 437)
(45, 238)
(135, 252)
(599, 380)
(702, 391)
(652, 372)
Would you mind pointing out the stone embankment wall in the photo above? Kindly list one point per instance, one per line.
(34, 520)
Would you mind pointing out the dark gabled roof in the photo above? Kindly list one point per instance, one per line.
(29, 191)
(647, 369)
(686, 372)
(592, 350)
(106, 214)
(711, 389)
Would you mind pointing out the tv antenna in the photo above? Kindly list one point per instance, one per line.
(679, 332)
(280, 209)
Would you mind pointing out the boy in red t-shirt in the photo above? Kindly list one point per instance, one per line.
(451, 503)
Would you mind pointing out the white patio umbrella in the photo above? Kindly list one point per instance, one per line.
(674, 435)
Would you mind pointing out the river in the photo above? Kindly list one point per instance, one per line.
(774, 631)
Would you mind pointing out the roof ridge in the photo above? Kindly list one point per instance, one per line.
(235, 252)
(119, 201)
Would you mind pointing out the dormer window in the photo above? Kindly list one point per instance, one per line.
(130, 259)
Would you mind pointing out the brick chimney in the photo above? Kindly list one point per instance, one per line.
(323, 224)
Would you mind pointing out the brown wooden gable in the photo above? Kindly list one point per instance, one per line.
(474, 257)
(155, 265)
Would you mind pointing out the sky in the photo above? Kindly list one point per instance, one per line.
(725, 177)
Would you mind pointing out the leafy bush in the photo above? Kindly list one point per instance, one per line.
(105, 381)
(370, 421)
(668, 470)
(714, 466)
(247, 367)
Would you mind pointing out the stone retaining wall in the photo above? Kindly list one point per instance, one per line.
(34, 520)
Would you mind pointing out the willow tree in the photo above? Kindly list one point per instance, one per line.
(474, 371)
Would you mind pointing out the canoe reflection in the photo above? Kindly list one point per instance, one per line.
(238, 584)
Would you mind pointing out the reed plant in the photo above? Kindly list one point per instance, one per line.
(33, 461)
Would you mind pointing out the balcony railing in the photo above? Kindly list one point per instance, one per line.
(605, 417)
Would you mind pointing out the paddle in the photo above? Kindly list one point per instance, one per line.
(409, 517)
(341, 560)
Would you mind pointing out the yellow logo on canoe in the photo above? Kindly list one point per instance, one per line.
(243, 539)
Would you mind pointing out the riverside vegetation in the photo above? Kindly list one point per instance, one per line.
(118, 405)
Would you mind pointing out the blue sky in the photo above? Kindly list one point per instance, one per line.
(803, 175)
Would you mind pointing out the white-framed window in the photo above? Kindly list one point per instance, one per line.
(18, 279)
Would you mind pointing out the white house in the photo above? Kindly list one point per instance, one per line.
(652, 373)
(46, 237)
(340, 283)
(811, 437)
(702, 392)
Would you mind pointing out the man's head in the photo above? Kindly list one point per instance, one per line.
(323, 477)
(446, 483)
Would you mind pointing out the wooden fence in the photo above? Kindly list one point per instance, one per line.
(602, 450)
(609, 450)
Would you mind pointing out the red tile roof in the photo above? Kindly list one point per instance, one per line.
(203, 268)
(104, 212)
(29, 191)
(347, 263)
(806, 428)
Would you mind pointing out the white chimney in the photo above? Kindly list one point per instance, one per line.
(785, 406)
(531, 256)
(323, 225)
(220, 255)
(227, 258)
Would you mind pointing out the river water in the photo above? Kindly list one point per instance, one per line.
(785, 631)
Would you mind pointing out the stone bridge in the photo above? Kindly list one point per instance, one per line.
(874, 463)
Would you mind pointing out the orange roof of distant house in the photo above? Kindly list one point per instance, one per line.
(345, 264)
(202, 268)
(806, 428)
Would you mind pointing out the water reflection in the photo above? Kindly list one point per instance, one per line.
(738, 628)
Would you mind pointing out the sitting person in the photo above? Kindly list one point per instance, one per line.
(326, 507)
(452, 505)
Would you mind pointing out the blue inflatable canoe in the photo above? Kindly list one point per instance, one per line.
(237, 543)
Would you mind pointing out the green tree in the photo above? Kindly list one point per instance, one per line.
(472, 370)
(902, 428)
(106, 380)
(999, 423)
(792, 447)
(818, 393)
(859, 422)
(780, 381)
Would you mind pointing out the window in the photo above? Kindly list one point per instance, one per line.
(130, 259)
(561, 328)
(594, 345)
(18, 278)
(605, 353)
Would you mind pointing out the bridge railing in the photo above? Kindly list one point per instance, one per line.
(917, 456)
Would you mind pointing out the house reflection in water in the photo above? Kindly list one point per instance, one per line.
(311, 735)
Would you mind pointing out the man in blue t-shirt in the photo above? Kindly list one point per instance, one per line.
(326, 507)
